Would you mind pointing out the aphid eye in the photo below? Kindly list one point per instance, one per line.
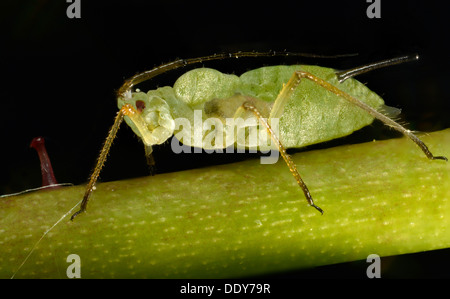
(140, 106)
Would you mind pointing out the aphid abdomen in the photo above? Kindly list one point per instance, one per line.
(201, 85)
(312, 114)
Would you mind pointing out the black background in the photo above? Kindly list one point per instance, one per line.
(60, 76)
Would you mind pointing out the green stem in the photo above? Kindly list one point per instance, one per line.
(239, 219)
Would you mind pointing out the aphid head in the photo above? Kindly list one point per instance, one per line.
(153, 122)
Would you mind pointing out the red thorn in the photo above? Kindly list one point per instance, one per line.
(48, 177)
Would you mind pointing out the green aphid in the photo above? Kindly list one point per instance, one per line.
(269, 108)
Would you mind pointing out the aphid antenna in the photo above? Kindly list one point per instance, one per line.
(147, 75)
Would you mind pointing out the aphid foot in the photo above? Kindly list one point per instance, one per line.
(76, 214)
(317, 208)
(439, 158)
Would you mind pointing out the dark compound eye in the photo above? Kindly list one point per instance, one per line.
(140, 106)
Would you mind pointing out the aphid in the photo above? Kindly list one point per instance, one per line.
(313, 104)
(48, 177)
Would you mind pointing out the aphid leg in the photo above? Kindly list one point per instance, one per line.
(386, 120)
(250, 107)
(283, 97)
(100, 162)
(126, 110)
(150, 159)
